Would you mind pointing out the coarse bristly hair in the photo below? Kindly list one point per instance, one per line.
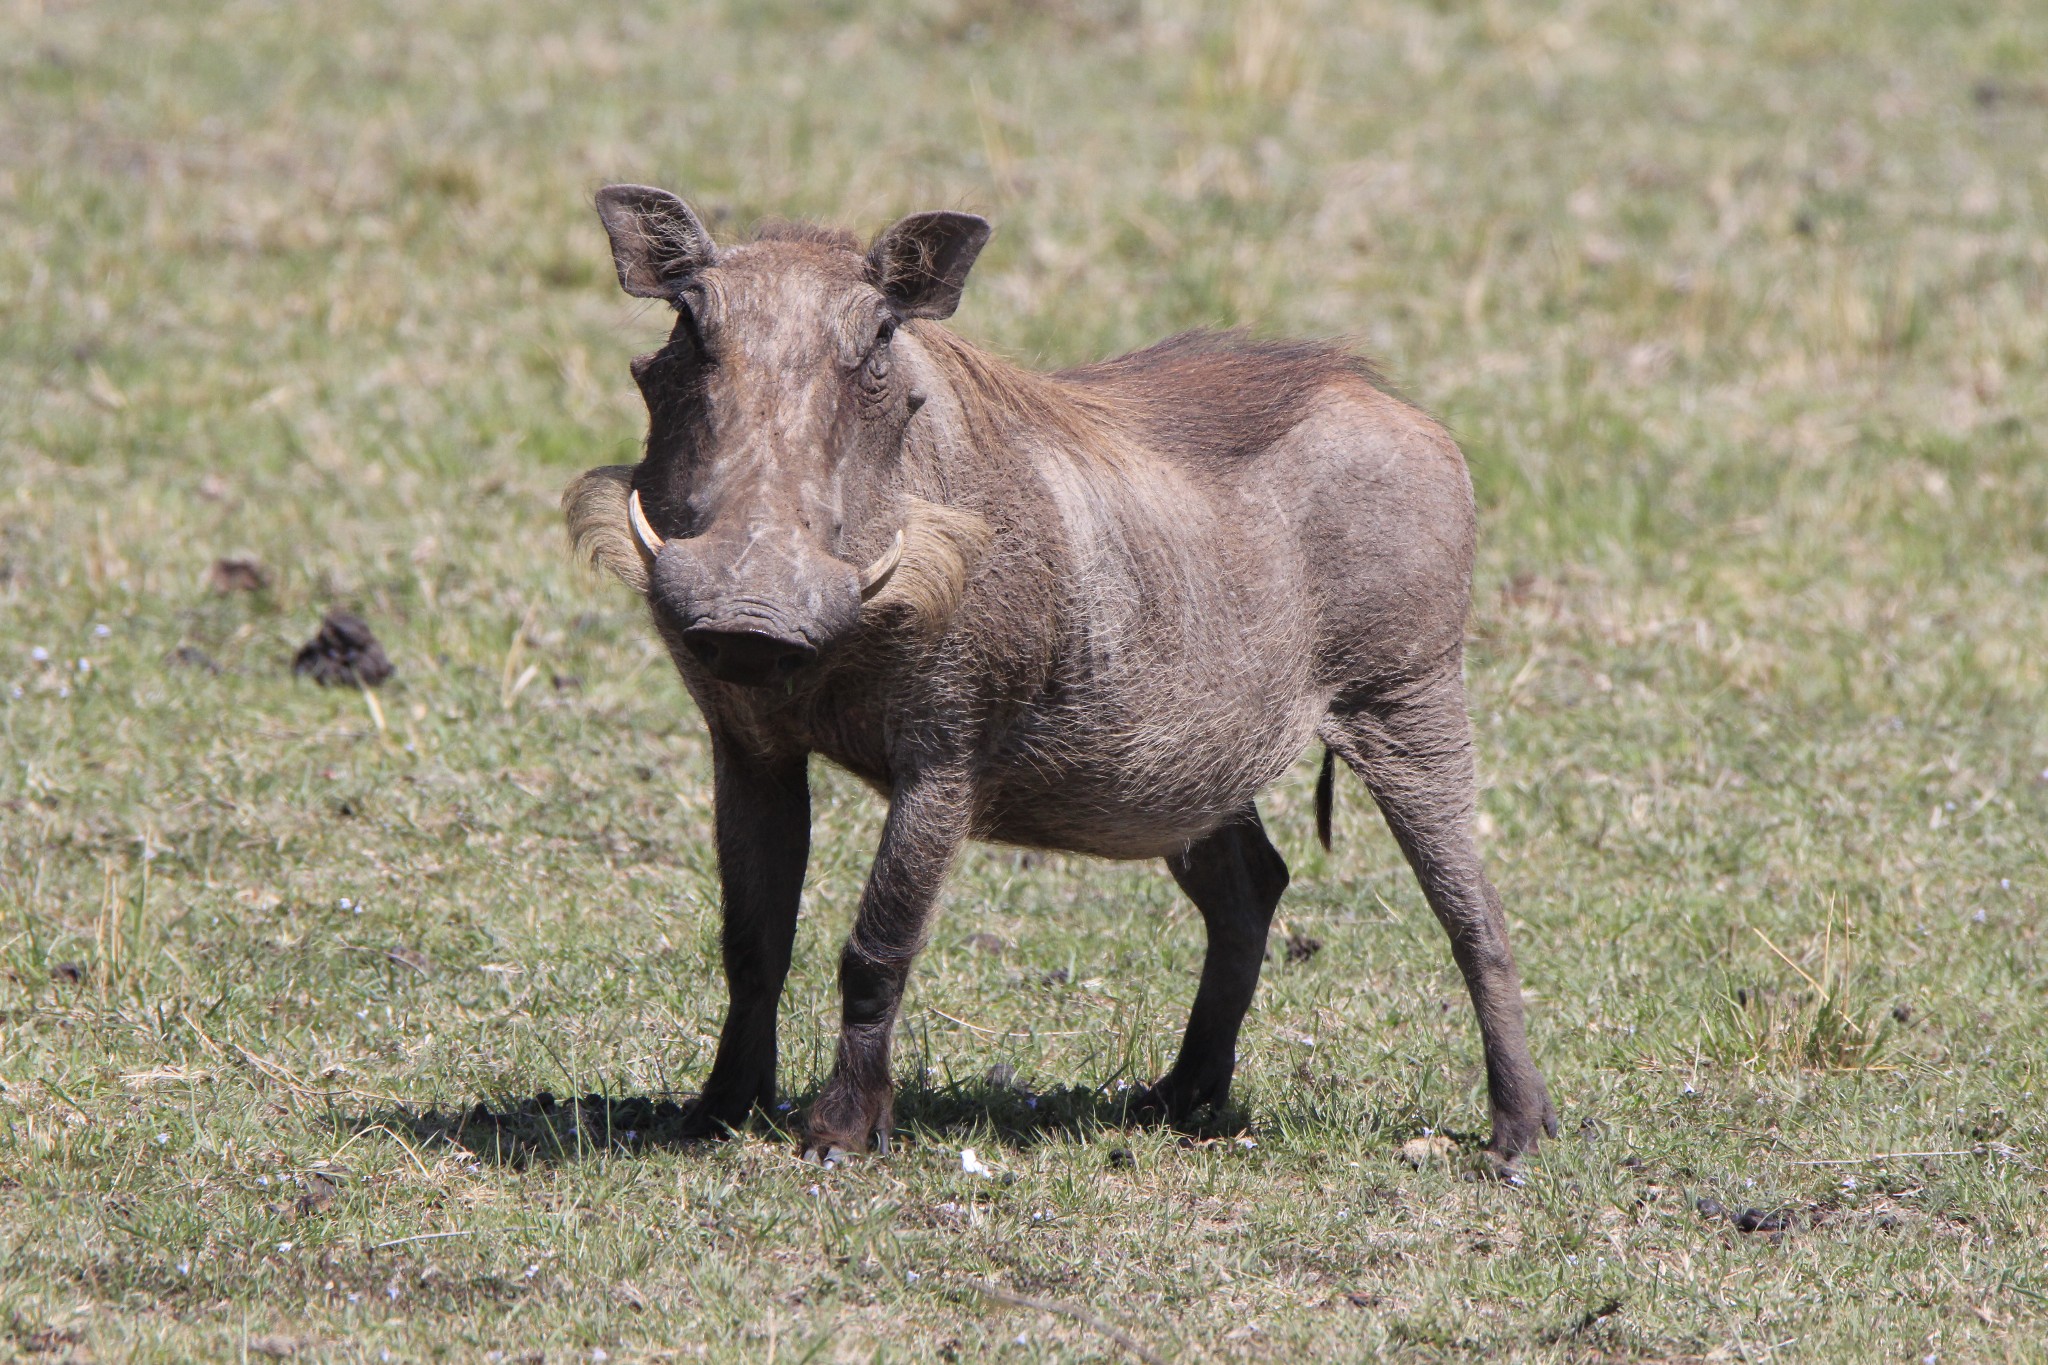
(941, 546)
(806, 233)
(599, 528)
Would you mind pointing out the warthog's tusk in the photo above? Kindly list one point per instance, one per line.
(876, 576)
(642, 529)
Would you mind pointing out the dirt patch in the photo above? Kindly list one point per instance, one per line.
(1429, 1150)
(344, 653)
(191, 656)
(237, 573)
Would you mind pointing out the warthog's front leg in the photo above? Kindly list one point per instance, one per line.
(928, 821)
(764, 839)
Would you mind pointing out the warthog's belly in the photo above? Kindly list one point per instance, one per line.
(1141, 773)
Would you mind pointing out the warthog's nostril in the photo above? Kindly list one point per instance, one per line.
(751, 658)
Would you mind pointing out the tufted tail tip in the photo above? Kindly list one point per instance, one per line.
(1326, 796)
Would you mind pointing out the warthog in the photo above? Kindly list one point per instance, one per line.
(1098, 610)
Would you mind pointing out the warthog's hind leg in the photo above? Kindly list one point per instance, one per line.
(1234, 876)
(1414, 751)
(764, 839)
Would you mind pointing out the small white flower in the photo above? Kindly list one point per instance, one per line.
(346, 904)
(972, 1164)
(2005, 883)
(39, 655)
(184, 1267)
(912, 1276)
(102, 632)
(163, 1139)
(284, 1246)
(597, 1354)
(1977, 918)
(532, 1271)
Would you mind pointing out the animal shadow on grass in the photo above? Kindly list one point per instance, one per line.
(541, 1129)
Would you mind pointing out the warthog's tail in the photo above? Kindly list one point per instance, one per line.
(1326, 796)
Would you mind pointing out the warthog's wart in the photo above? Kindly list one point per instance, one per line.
(1098, 610)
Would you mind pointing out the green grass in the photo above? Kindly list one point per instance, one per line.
(1741, 313)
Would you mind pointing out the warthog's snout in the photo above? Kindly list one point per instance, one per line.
(752, 656)
(755, 610)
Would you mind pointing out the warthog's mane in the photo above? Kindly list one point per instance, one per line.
(804, 234)
(1197, 398)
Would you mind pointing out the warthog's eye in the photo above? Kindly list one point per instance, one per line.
(873, 377)
(689, 332)
(672, 373)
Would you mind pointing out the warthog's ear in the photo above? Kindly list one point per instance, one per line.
(657, 243)
(921, 263)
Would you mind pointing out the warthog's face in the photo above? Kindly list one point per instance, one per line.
(776, 415)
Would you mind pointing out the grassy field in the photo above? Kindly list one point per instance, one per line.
(1741, 312)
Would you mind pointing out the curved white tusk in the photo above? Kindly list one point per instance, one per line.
(642, 529)
(876, 576)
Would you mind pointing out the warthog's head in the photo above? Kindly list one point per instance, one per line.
(776, 417)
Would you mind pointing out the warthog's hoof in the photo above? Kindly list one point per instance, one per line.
(1493, 1166)
(1177, 1102)
(822, 1151)
(843, 1125)
(707, 1118)
(1515, 1136)
(1156, 1104)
